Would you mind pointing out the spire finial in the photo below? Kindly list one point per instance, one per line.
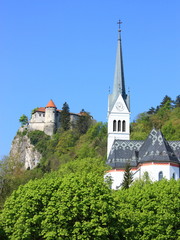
(119, 23)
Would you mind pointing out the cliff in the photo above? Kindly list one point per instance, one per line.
(24, 151)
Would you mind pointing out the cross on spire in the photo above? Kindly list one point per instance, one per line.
(119, 23)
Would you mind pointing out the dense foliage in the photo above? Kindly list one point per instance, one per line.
(63, 147)
(166, 117)
(66, 197)
(76, 203)
(150, 210)
(84, 122)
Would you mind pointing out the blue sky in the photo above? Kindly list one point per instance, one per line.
(65, 51)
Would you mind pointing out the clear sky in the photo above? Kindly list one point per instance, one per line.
(65, 50)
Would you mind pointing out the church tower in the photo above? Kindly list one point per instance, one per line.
(118, 103)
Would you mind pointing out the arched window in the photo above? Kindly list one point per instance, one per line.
(114, 125)
(160, 175)
(119, 126)
(124, 126)
(173, 176)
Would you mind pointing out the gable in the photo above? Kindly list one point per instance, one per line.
(154, 149)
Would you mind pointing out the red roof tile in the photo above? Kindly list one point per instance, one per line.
(41, 109)
(51, 104)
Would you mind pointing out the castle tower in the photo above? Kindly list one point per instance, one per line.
(118, 103)
(50, 118)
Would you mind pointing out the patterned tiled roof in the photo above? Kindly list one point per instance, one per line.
(154, 149)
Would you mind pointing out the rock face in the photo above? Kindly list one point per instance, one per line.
(25, 152)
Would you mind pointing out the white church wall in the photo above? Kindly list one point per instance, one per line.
(116, 176)
(154, 170)
(174, 172)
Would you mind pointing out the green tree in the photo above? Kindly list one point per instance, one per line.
(93, 143)
(23, 120)
(39, 139)
(177, 101)
(83, 122)
(65, 117)
(152, 110)
(73, 206)
(165, 117)
(128, 177)
(10, 176)
(166, 102)
(150, 210)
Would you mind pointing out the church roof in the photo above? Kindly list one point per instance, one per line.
(154, 149)
(119, 81)
(51, 104)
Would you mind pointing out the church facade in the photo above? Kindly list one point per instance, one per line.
(155, 156)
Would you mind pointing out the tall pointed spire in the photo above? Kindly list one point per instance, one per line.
(119, 85)
(119, 82)
(118, 103)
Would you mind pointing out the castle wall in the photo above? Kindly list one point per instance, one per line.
(36, 126)
(48, 120)
(38, 117)
(37, 121)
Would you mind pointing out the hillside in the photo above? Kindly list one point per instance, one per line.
(63, 147)
(65, 195)
(165, 116)
(70, 145)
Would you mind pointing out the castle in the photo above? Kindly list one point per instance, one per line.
(48, 119)
(156, 156)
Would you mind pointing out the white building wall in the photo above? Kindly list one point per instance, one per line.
(174, 170)
(120, 113)
(36, 126)
(37, 121)
(154, 169)
(38, 117)
(116, 177)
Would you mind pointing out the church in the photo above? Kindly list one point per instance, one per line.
(155, 155)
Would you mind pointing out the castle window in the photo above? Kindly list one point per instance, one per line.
(124, 126)
(173, 176)
(119, 126)
(160, 175)
(114, 125)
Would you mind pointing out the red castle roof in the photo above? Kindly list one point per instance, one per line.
(51, 104)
